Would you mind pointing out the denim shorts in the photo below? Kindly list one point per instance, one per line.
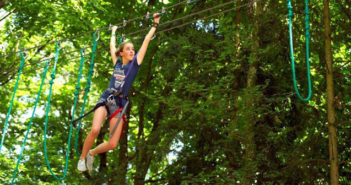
(111, 105)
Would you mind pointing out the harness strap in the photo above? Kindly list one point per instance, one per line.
(118, 92)
(99, 105)
(119, 118)
(114, 114)
(124, 119)
(92, 110)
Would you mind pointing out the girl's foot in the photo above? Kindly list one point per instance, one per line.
(81, 165)
(90, 161)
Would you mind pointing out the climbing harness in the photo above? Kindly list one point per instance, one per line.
(307, 36)
(114, 93)
(119, 118)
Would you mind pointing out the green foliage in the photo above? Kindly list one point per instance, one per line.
(193, 117)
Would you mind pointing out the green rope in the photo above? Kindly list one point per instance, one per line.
(13, 97)
(47, 116)
(87, 89)
(77, 87)
(31, 121)
(307, 36)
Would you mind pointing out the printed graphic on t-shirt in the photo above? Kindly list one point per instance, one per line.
(119, 75)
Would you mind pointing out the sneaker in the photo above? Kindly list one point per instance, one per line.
(90, 161)
(81, 165)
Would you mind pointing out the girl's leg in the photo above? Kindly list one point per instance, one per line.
(113, 141)
(99, 117)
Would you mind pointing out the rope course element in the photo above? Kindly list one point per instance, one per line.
(307, 37)
(168, 22)
(90, 73)
(198, 19)
(207, 17)
(124, 23)
(186, 16)
(47, 116)
(11, 104)
(30, 122)
(87, 90)
(149, 17)
(43, 59)
(101, 29)
(95, 39)
(134, 33)
(77, 87)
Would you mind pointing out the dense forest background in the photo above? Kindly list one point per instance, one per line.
(213, 102)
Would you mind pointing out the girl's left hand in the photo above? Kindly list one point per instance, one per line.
(114, 28)
(156, 17)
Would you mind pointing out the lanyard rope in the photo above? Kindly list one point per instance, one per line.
(307, 36)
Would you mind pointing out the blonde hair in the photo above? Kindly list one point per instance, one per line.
(121, 47)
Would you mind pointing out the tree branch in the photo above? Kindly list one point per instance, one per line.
(7, 15)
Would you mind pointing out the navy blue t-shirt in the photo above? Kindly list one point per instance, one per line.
(120, 73)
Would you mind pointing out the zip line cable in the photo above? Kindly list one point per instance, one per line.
(203, 18)
(102, 29)
(187, 2)
(198, 19)
(135, 33)
(92, 31)
(189, 15)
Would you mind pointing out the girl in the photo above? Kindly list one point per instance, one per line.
(115, 97)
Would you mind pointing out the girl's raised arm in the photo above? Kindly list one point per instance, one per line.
(143, 48)
(113, 49)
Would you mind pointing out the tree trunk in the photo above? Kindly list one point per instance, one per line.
(232, 135)
(250, 164)
(237, 27)
(146, 150)
(333, 152)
